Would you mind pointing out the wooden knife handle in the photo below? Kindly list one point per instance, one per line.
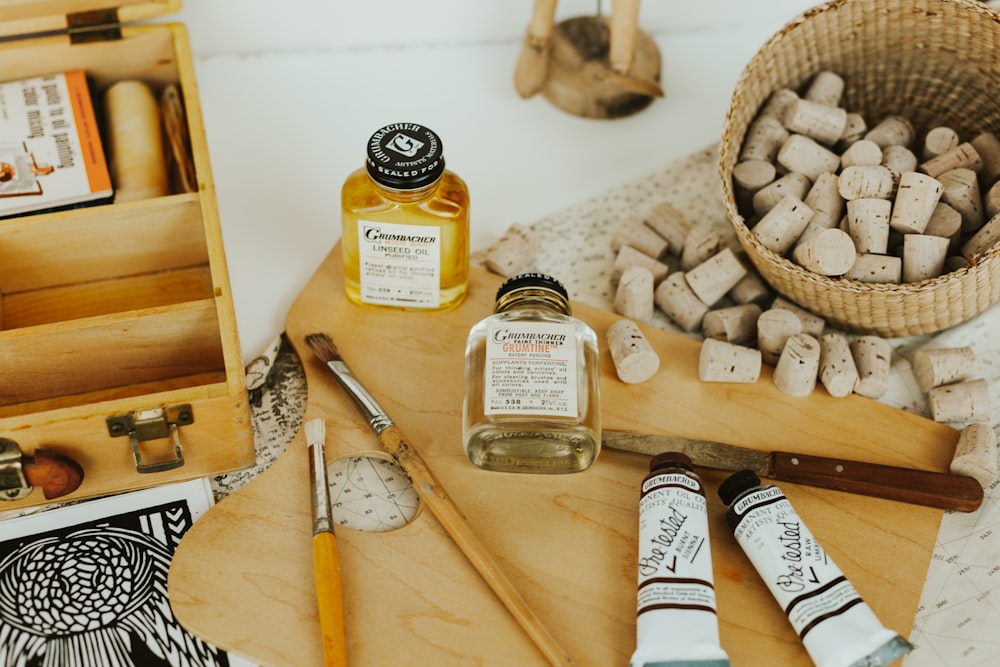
(921, 487)
(57, 475)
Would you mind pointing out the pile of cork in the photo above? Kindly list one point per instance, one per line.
(820, 186)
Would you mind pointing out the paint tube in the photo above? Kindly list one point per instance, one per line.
(837, 628)
(676, 622)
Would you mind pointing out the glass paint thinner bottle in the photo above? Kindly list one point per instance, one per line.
(532, 383)
(676, 620)
(837, 628)
(405, 224)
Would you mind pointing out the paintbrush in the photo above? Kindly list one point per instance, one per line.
(326, 561)
(433, 494)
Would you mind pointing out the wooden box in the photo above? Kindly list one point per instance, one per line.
(118, 342)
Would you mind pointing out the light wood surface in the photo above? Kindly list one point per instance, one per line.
(242, 577)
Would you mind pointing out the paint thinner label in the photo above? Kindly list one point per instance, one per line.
(400, 264)
(531, 369)
(800, 575)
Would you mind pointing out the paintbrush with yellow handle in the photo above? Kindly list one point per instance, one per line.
(326, 561)
(434, 496)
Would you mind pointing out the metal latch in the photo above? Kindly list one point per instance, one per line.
(153, 424)
(98, 25)
(13, 483)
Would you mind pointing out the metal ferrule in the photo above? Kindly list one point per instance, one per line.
(322, 514)
(373, 412)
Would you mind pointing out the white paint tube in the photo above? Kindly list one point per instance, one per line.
(676, 622)
(837, 628)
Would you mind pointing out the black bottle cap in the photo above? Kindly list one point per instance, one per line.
(405, 156)
(736, 484)
(531, 280)
(670, 460)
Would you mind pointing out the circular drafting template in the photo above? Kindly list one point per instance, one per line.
(370, 494)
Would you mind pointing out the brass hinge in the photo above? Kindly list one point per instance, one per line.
(153, 424)
(98, 25)
(13, 482)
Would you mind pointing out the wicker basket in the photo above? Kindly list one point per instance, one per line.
(936, 62)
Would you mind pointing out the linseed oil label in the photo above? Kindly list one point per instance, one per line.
(400, 265)
(531, 369)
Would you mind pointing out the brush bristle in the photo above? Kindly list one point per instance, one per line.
(316, 431)
(323, 347)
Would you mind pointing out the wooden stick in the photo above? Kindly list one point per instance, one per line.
(434, 496)
(532, 68)
(623, 29)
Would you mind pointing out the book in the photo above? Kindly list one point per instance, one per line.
(51, 155)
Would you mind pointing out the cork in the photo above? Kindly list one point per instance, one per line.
(937, 366)
(962, 156)
(793, 184)
(825, 201)
(899, 159)
(513, 251)
(867, 182)
(829, 253)
(837, 370)
(634, 358)
(873, 358)
(636, 234)
(861, 153)
(991, 201)
(751, 288)
(676, 299)
(967, 401)
(628, 257)
(798, 365)
(720, 361)
(749, 177)
(945, 222)
(822, 122)
(777, 102)
(812, 323)
(854, 131)
(988, 147)
(774, 326)
(916, 198)
(765, 136)
(868, 224)
(960, 190)
(634, 294)
(671, 224)
(702, 241)
(891, 131)
(714, 277)
(732, 324)
(984, 239)
(781, 227)
(872, 268)
(923, 257)
(826, 87)
(806, 156)
(976, 454)
(938, 140)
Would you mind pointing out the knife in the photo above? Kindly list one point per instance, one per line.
(919, 487)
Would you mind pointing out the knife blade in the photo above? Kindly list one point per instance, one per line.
(919, 487)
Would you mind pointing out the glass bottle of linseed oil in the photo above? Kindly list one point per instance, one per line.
(532, 383)
(405, 236)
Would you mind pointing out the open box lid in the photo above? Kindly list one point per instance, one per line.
(32, 17)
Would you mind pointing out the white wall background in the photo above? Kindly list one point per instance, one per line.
(236, 26)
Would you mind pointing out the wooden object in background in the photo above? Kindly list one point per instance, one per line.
(241, 578)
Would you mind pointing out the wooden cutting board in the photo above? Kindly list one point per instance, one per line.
(242, 577)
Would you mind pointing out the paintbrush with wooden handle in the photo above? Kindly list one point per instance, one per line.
(433, 494)
(326, 559)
